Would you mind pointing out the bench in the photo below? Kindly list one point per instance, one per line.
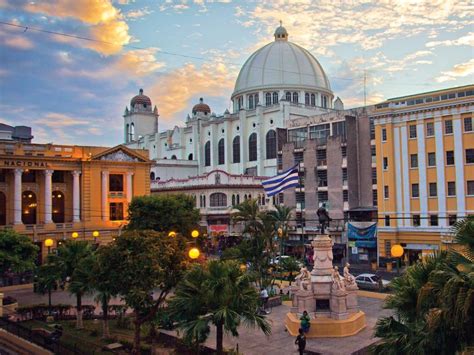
(113, 346)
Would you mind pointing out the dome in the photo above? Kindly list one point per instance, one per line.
(141, 99)
(281, 65)
(201, 107)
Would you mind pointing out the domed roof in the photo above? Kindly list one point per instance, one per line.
(281, 64)
(201, 107)
(140, 99)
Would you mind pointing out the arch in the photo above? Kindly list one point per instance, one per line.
(221, 152)
(288, 96)
(58, 207)
(3, 209)
(295, 97)
(233, 200)
(245, 197)
(236, 149)
(313, 100)
(253, 147)
(127, 130)
(173, 157)
(325, 101)
(306, 99)
(268, 99)
(250, 102)
(152, 176)
(270, 141)
(204, 201)
(132, 132)
(207, 154)
(190, 156)
(28, 207)
(238, 199)
(218, 199)
(275, 97)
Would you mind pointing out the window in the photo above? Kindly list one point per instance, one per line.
(431, 159)
(387, 248)
(218, 199)
(448, 127)
(268, 99)
(58, 207)
(433, 189)
(452, 218)
(116, 211)
(429, 129)
(321, 156)
(434, 220)
(468, 124)
(275, 97)
(451, 188)
(385, 191)
(298, 157)
(132, 133)
(322, 178)
(373, 151)
(374, 198)
(236, 149)
(339, 129)
(271, 144)
(233, 200)
(415, 190)
(385, 163)
(253, 147)
(412, 131)
(416, 220)
(320, 132)
(116, 182)
(58, 176)
(345, 195)
(28, 176)
(306, 99)
(387, 221)
(372, 128)
(344, 176)
(374, 176)
(344, 151)
(221, 152)
(325, 101)
(251, 106)
(313, 100)
(469, 156)
(238, 199)
(413, 160)
(470, 187)
(207, 154)
(323, 196)
(450, 157)
(281, 198)
(288, 96)
(152, 176)
(384, 134)
(295, 98)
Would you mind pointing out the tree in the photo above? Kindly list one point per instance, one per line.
(17, 252)
(164, 213)
(282, 216)
(47, 276)
(216, 293)
(138, 263)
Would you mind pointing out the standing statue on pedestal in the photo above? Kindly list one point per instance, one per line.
(323, 217)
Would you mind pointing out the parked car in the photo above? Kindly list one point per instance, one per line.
(371, 282)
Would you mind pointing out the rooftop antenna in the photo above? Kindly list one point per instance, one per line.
(365, 87)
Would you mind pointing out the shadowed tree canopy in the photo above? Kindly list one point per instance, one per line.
(164, 213)
(17, 252)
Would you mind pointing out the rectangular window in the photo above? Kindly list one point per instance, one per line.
(320, 132)
(374, 198)
(384, 134)
(413, 160)
(344, 176)
(339, 129)
(345, 195)
(385, 191)
(385, 163)
(281, 198)
(448, 127)
(413, 131)
(372, 128)
(116, 211)
(322, 178)
(452, 218)
(469, 156)
(450, 157)
(433, 189)
(58, 176)
(387, 221)
(344, 151)
(298, 157)
(28, 176)
(321, 157)
(373, 150)
(429, 129)
(374, 176)
(415, 190)
(116, 183)
(431, 159)
(388, 246)
(322, 196)
(451, 188)
(416, 220)
(434, 220)
(468, 124)
(470, 187)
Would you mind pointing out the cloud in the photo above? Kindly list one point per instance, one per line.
(59, 120)
(458, 71)
(17, 42)
(105, 22)
(467, 40)
(138, 13)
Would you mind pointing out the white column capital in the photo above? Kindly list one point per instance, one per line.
(48, 172)
(105, 173)
(18, 171)
(130, 173)
(76, 173)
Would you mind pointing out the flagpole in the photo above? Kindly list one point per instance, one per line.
(301, 215)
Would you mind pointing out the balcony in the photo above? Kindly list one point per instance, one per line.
(116, 194)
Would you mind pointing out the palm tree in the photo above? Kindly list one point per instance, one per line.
(81, 283)
(103, 298)
(218, 294)
(47, 278)
(282, 217)
(248, 213)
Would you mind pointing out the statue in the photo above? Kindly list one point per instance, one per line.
(349, 279)
(323, 217)
(338, 283)
(303, 279)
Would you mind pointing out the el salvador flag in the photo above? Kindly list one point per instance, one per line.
(280, 182)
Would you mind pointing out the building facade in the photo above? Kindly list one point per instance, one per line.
(53, 191)
(425, 160)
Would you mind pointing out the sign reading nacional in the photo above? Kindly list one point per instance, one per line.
(25, 163)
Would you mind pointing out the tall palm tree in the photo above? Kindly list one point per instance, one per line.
(282, 217)
(248, 213)
(47, 278)
(218, 294)
(82, 283)
(103, 298)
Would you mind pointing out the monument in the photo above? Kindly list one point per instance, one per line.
(329, 298)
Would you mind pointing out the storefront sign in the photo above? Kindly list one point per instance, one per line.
(218, 228)
(25, 164)
(422, 246)
(354, 250)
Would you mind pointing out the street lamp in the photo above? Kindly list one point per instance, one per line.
(74, 235)
(96, 235)
(49, 243)
(397, 252)
(195, 233)
(172, 234)
(280, 235)
(194, 253)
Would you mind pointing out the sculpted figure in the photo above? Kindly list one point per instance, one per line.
(323, 217)
(349, 279)
(303, 279)
(338, 283)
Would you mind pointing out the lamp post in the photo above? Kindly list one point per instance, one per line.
(96, 235)
(49, 243)
(194, 253)
(172, 234)
(280, 235)
(397, 252)
(74, 235)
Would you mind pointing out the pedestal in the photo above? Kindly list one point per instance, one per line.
(304, 301)
(338, 304)
(351, 300)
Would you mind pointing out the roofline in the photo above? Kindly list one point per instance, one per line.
(429, 92)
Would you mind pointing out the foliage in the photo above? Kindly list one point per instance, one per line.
(433, 303)
(282, 216)
(289, 264)
(17, 252)
(9, 300)
(47, 276)
(164, 213)
(220, 294)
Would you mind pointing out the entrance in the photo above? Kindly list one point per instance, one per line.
(412, 256)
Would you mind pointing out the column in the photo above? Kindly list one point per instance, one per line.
(129, 186)
(420, 133)
(105, 191)
(48, 194)
(76, 196)
(398, 178)
(406, 177)
(440, 172)
(17, 197)
(459, 163)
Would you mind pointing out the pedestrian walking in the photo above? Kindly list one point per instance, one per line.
(301, 341)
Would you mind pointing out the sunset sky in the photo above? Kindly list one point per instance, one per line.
(74, 91)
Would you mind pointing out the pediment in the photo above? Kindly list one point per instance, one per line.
(119, 154)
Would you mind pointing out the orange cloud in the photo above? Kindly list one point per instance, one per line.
(458, 71)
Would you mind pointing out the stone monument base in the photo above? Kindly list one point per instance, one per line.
(325, 327)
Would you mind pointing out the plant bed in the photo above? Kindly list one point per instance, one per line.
(274, 301)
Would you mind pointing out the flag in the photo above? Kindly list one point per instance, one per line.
(280, 182)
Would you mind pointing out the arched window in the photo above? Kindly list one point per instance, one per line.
(3, 209)
(152, 176)
(238, 199)
(245, 197)
(263, 200)
(190, 156)
(250, 102)
(306, 99)
(132, 132)
(325, 101)
(295, 97)
(253, 147)
(28, 207)
(127, 130)
(233, 200)
(221, 152)
(256, 100)
(275, 97)
(207, 154)
(218, 199)
(173, 157)
(313, 100)
(271, 144)
(58, 207)
(268, 99)
(204, 201)
(288, 96)
(236, 149)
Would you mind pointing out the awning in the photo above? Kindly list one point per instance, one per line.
(366, 244)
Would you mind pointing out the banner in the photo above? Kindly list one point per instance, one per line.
(361, 233)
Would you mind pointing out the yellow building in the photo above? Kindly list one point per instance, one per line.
(425, 168)
(61, 192)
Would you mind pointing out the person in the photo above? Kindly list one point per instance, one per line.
(305, 322)
(301, 341)
(264, 297)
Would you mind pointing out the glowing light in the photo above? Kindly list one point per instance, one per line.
(172, 234)
(194, 253)
(48, 242)
(195, 233)
(95, 234)
(75, 235)
(396, 251)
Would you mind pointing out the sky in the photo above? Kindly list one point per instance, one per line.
(74, 91)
